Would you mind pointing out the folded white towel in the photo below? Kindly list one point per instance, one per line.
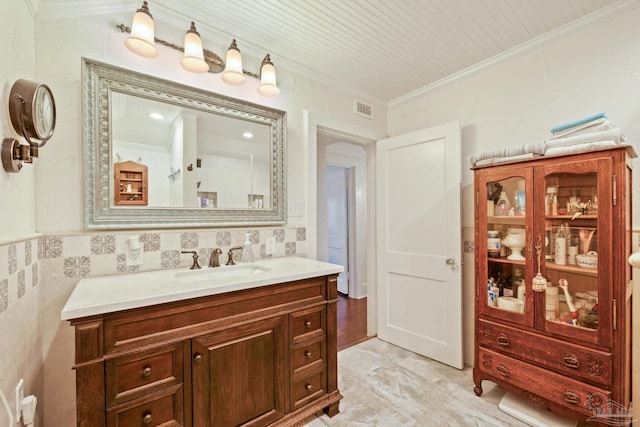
(597, 125)
(581, 148)
(503, 160)
(615, 135)
(535, 148)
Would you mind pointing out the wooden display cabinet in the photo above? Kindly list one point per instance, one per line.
(130, 184)
(569, 219)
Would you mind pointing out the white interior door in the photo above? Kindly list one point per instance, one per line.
(418, 233)
(337, 220)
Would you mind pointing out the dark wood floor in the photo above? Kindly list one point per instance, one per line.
(352, 321)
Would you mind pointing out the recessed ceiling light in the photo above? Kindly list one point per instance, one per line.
(247, 135)
(156, 116)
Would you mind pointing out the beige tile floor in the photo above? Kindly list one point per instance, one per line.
(384, 385)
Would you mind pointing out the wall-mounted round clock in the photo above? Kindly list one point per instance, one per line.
(32, 110)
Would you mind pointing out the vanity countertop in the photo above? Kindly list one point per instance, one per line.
(107, 294)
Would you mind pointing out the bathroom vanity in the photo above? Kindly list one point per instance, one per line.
(251, 345)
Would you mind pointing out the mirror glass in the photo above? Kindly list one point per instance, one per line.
(161, 154)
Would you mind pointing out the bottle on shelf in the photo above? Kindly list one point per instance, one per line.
(504, 205)
(561, 247)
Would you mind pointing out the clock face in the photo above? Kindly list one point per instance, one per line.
(44, 112)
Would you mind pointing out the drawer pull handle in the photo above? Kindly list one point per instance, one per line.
(502, 370)
(146, 372)
(197, 358)
(503, 340)
(146, 418)
(309, 387)
(307, 323)
(571, 396)
(308, 354)
(571, 361)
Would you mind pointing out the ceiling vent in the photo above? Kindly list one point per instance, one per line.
(361, 108)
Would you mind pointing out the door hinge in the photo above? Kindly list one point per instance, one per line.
(615, 191)
(477, 201)
(615, 314)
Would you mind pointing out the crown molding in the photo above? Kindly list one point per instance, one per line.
(576, 26)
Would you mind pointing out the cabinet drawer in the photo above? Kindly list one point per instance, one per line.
(160, 409)
(548, 385)
(132, 376)
(308, 354)
(308, 389)
(306, 324)
(570, 359)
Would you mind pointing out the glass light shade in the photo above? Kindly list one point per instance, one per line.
(268, 86)
(232, 73)
(193, 59)
(141, 40)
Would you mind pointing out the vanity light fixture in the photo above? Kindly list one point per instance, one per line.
(247, 135)
(268, 86)
(155, 116)
(193, 56)
(196, 59)
(141, 39)
(32, 111)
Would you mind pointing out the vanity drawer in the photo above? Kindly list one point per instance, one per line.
(308, 389)
(132, 376)
(160, 409)
(310, 353)
(548, 385)
(563, 357)
(307, 324)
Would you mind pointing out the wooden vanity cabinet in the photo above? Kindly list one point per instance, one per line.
(569, 352)
(258, 357)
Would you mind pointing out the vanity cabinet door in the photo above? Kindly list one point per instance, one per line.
(238, 375)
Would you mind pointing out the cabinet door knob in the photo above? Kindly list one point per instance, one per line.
(146, 372)
(502, 370)
(503, 340)
(308, 354)
(309, 387)
(307, 323)
(197, 358)
(571, 361)
(146, 418)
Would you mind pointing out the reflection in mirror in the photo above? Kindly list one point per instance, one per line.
(194, 158)
(158, 154)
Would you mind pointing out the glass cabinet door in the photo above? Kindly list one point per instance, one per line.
(576, 300)
(504, 204)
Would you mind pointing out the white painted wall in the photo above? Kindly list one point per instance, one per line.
(518, 101)
(21, 352)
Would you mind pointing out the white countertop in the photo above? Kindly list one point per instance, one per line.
(106, 294)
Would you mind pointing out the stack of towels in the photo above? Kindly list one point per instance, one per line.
(592, 133)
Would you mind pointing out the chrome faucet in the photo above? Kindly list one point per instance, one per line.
(214, 260)
(230, 261)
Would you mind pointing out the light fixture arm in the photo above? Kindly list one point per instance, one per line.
(216, 64)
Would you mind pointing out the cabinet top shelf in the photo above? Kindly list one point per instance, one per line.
(517, 219)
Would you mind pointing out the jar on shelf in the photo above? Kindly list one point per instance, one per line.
(574, 201)
(551, 195)
(493, 244)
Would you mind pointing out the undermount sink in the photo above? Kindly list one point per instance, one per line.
(226, 271)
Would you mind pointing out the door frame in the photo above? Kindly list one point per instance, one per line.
(348, 132)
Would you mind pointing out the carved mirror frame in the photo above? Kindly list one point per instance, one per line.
(99, 80)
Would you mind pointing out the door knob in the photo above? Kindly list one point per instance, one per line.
(451, 262)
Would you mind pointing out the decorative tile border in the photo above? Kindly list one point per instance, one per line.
(19, 271)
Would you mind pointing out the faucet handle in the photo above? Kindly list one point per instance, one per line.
(230, 254)
(195, 264)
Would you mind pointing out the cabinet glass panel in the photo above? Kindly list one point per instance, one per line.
(506, 241)
(571, 251)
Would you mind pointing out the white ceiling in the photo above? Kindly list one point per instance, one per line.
(380, 49)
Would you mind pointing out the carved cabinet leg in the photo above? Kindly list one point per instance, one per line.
(478, 384)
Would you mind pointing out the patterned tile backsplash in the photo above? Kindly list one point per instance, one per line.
(85, 255)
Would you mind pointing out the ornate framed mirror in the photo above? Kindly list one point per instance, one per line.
(211, 160)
